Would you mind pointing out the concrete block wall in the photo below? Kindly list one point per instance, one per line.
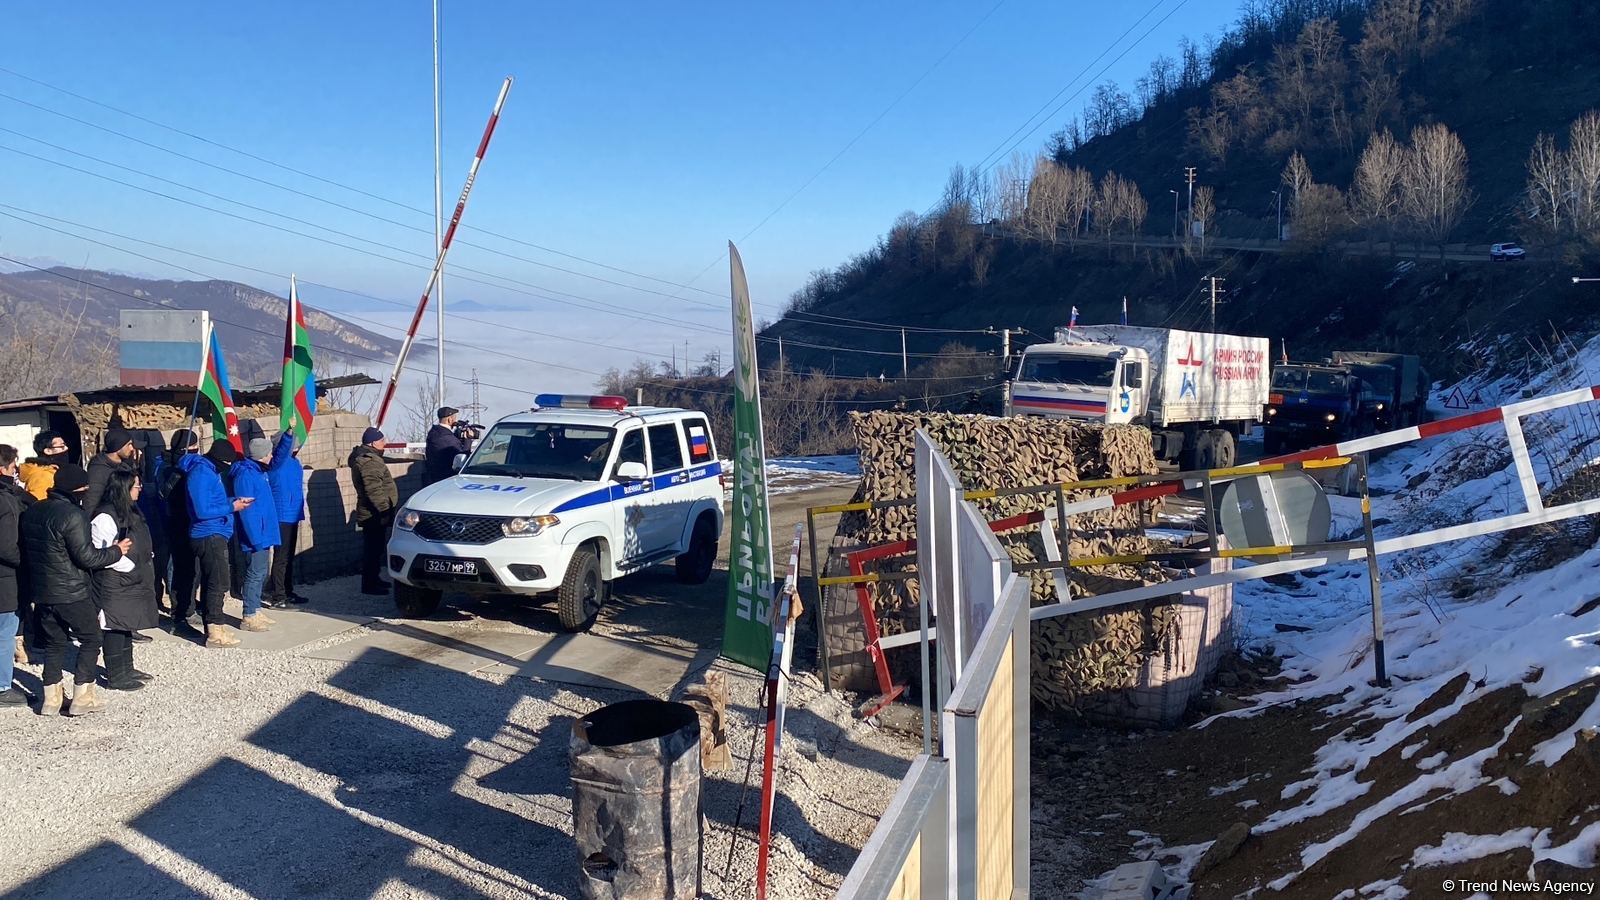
(330, 542)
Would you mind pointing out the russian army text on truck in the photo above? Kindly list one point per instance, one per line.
(564, 500)
(1196, 392)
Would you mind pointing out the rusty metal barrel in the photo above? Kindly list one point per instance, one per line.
(636, 800)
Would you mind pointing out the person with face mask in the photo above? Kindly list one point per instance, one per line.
(257, 527)
(13, 500)
(61, 560)
(38, 473)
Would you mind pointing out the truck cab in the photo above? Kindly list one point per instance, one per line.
(1314, 404)
(1088, 381)
(564, 499)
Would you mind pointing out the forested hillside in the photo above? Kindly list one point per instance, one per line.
(1395, 130)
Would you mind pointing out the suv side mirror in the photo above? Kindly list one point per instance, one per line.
(631, 471)
(457, 463)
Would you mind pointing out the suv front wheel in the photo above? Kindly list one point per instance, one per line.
(416, 602)
(582, 591)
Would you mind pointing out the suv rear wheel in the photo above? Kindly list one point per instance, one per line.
(582, 591)
(416, 602)
(694, 566)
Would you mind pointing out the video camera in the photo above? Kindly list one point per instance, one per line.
(466, 431)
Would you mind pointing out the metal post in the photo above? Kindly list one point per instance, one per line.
(927, 704)
(1279, 195)
(905, 367)
(1174, 214)
(438, 199)
(1373, 575)
(638, 396)
(1189, 230)
(780, 355)
(1061, 529)
(821, 606)
(1211, 509)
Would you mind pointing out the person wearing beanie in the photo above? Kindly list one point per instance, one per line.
(211, 510)
(287, 476)
(258, 529)
(170, 485)
(118, 453)
(376, 499)
(61, 561)
(39, 471)
(443, 444)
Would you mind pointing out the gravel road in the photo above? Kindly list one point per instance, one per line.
(252, 773)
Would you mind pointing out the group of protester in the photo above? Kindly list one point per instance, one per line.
(87, 555)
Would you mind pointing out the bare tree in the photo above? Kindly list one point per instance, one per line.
(1434, 192)
(1583, 173)
(1547, 180)
(1133, 208)
(1047, 199)
(710, 365)
(1011, 188)
(1205, 212)
(1444, 17)
(1296, 175)
(418, 415)
(1375, 194)
(981, 261)
(1321, 217)
(1079, 195)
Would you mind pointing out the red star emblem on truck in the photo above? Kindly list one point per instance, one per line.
(1192, 359)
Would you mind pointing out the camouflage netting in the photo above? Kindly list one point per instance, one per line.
(1076, 658)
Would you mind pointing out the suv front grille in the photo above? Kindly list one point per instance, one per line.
(456, 529)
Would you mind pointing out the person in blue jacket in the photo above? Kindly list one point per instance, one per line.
(258, 528)
(287, 476)
(211, 527)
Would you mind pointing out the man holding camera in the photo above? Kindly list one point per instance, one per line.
(445, 439)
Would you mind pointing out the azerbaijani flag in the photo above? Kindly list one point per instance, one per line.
(214, 385)
(298, 403)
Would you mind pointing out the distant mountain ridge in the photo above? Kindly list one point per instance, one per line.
(249, 321)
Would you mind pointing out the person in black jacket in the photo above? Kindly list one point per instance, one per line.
(13, 500)
(174, 493)
(119, 454)
(124, 590)
(61, 560)
(444, 442)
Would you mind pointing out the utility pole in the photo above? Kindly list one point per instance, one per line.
(1214, 291)
(780, 355)
(1174, 214)
(905, 365)
(474, 410)
(1279, 194)
(438, 199)
(1189, 231)
(686, 359)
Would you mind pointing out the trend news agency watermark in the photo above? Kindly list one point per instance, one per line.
(1507, 887)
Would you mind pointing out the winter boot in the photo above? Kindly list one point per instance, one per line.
(218, 636)
(119, 665)
(85, 700)
(54, 696)
(262, 612)
(21, 656)
(255, 622)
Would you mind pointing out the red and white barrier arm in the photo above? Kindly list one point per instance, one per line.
(444, 248)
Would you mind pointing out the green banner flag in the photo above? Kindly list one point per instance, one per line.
(747, 625)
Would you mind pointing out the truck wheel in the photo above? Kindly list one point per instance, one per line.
(582, 591)
(694, 566)
(1205, 450)
(416, 602)
(1225, 451)
(1189, 455)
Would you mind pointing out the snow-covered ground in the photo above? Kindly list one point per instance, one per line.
(787, 474)
(1451, 609)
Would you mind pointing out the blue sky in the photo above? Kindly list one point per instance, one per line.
(639, 135)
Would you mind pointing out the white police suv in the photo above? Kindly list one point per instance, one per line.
(566, 498)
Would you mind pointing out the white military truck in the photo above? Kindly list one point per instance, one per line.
(1196, 392)
(566, 498)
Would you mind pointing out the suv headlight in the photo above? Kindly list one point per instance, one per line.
(528, 526)
(407, 519)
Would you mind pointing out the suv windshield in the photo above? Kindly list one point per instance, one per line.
(1084, 371)
(543, 450)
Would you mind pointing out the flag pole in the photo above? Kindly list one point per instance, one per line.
(200, 377)
(438, 198)
(444, 248)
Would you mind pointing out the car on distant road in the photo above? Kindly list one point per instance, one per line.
(1503, 252)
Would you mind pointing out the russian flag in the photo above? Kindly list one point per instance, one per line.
(699, 444)
(1074, 322)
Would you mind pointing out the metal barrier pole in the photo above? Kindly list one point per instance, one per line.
(927, 703)
(1373, 575)
(1061, 525)
(821, 607)
(1211, 510)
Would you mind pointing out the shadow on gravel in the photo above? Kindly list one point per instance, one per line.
(401, 788)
